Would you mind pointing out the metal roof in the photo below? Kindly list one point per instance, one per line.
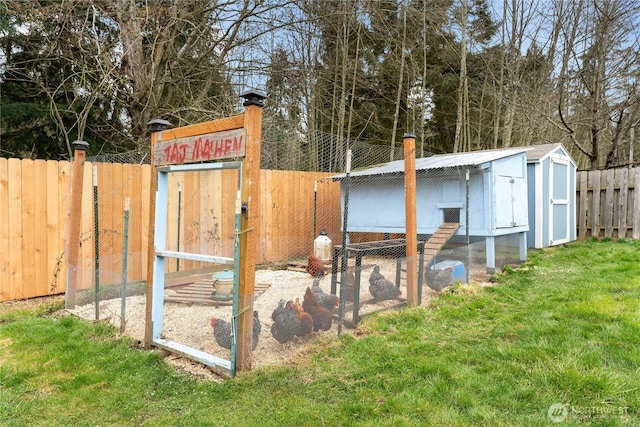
(439, 161)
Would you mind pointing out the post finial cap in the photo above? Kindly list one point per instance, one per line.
(253, 97)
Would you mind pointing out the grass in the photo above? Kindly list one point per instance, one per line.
(563, 328)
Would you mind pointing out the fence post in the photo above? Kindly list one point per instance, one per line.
(249, 224)
(411, 231)
(74, 217)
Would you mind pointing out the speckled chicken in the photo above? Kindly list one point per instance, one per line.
(381, 288)
(375, 275)
(439, 279)
(286, 324)
(322, 318)
(326, 300)
(222, 331)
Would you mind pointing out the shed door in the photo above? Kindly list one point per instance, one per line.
(560, 211)
(511, 202)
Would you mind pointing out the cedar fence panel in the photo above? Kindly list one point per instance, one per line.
(608, 203)
(34, 220)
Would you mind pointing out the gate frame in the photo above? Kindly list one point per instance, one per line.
(160, 240)
(247, 222)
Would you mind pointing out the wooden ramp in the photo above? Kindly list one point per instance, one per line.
(438, 240)
(200, 293)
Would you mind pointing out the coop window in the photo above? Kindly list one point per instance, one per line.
(451, 215)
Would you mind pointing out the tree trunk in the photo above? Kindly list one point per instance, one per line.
(462, 125)
(396, 115)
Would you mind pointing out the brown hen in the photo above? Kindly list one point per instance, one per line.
(322, 318)
(306, 321)
(315, 267)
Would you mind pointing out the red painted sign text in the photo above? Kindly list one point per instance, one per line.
(201, 148)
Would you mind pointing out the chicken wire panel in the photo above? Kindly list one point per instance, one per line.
(374, 213)
(318, 151)
(200, 219)
(113, 239)
(200, 215)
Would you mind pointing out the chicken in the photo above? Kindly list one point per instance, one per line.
(375, 275)
(222, 331)
(322, 318)
(329, 301)
(315, 267)
(257, 328)
(278, 310)
(349, 290)
(381, 288)
(306, 321)
(349, 293)
(286, 324)
(439, 279)
(351, 277)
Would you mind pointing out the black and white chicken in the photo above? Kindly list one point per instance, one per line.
(286, 324)
(439, 279)
(329, 301)
(222, 331)
(381, 288)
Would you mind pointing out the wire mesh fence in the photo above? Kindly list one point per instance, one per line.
(113, 231)
(322, 152)
(363, 213)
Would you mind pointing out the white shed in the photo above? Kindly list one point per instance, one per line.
(496, 197)
(552, 195)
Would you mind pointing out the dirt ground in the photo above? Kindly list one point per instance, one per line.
(189, 323)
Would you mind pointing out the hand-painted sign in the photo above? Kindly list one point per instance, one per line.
(200, 148)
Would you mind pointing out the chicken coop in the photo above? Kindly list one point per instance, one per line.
(484, 192)
(551, 174)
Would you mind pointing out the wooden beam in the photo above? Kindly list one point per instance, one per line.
(74, 218)
(224, 124)
(410, 218)
(249, 230)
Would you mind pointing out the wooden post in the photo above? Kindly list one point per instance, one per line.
(410, 217)
(74, 220)
(155, 126)
(249, 225)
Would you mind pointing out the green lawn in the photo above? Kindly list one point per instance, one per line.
(562, 329)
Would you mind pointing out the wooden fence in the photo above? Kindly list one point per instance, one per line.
(34, 220)
(608, 203)
(32, 224)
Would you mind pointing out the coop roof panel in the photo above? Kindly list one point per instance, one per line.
(439, 161)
